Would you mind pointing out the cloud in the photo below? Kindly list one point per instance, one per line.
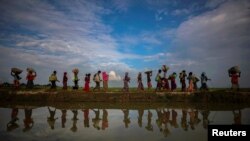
(114, 76)
(216, 40)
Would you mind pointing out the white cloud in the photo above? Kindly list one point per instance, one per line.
(114, 76)
(216, 40)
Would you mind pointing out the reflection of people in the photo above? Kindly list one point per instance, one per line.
(74, 127)
(166, 116)
(86, 117)
(105, 123)
(12, 123)
(140, 115)
(126, 118)
(159, 121)
(237, 117)
(28, 121)
(196, 117)
(64, 114)
(184, 124)
(192, 119)
(205, 120)
(96, 120)
(51, 119)
(174, 119)
(149, 126)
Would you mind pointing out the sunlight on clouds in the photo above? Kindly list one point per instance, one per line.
(114, 76)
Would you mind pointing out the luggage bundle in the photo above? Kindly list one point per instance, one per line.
(75, 70)
(16, 70)
(30, 70)
(234, 69)
(164, 68)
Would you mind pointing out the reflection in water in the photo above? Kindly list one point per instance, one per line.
(51, 119)
(12, 123)
(205, 120)
(105, 123)
(174, 119)
(184, 124)
(237, 117)
(126, 118)
(64, 114)
(28, 121)
(86, 117)
(140, 115)
(96, 120)
(149, 126)
(74, 119)
(165, 119)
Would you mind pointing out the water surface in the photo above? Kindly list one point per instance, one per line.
(49, 123)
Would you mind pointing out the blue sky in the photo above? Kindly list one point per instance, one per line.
(125, 35)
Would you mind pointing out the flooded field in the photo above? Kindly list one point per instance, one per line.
(138, 122)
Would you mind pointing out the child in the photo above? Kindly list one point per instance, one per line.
(65, 79)
(105, 78)
(126, 80)
(140, 84)
(158, 79)
(30, 78)
(53, 80)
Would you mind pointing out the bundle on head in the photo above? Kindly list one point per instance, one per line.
(30, 70)
(164, 68)
(148, 72)
(234, 69)
(16, 70)
(75, 70)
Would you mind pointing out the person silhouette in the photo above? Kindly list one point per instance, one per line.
(74, 127)
(159, 120)
(126, 118)
(149, 126)
(205, 119)
(105, 119)
(51, 119)
(86, 117)
(11, 125)
(184, 124)
(97, 119)
(28, 121)
(64, 114)
(140, 115)
(237, 117)
(192, 119)
(173, 122)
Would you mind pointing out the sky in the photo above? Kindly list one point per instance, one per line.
(119, 36)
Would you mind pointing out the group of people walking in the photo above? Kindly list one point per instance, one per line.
(162, 81)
